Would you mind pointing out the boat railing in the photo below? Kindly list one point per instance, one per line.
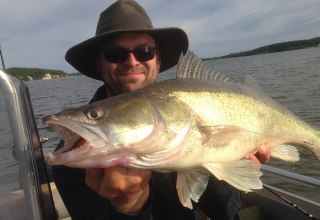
(307, 206)
(291, 175)
(27, 148)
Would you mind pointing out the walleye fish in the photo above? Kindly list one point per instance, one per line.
(200, 124)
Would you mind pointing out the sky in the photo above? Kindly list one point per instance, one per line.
(37, 33)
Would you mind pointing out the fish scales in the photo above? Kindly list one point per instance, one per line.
(217, 108)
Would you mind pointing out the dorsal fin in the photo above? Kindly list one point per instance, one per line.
(250, 82)
(253, 88)
(192, 67)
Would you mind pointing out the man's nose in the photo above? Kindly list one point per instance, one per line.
(131, 60)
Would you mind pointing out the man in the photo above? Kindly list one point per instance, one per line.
(127, 53)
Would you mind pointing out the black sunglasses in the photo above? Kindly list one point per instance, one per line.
(119, 55)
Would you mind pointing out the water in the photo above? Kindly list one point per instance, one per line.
(292, 78)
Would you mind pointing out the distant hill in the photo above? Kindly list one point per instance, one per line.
(277, 47)
(27, 74)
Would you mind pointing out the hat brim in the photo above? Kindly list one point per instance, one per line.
(171, 42)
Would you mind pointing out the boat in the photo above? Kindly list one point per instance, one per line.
(38, 197)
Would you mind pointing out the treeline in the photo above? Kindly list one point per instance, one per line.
(278, 47)
(24, 74)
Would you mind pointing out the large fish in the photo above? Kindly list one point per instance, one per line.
(199, 124)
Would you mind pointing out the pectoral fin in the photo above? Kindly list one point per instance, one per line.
(286, 152)
(191, 185)
(242, 174)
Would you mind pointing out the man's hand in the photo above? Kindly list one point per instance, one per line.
(127, 189)
(261, 156)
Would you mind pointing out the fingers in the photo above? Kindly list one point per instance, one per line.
(127, 189)
(121, 180)
(263, 154)
(254, 159)
(113, 181)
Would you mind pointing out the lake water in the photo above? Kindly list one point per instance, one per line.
(292, 78)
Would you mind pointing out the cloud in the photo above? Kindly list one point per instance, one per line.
(37, 33)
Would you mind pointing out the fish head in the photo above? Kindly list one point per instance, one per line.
(104, 129)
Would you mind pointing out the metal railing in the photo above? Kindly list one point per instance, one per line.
(27, 146)
(291, 175)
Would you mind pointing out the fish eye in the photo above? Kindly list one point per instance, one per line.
(94, 113)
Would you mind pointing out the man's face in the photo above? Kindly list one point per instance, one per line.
(131, 73)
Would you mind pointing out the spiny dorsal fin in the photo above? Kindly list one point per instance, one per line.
(192, 67)
(250, 82)
(255, 90)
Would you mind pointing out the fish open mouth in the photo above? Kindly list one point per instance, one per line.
(81, 138)
(78, 139)
(72, 144)
(78, 144)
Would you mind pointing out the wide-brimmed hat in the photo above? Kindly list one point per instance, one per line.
(126, 16)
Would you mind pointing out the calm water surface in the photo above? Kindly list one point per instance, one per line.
(292, 78)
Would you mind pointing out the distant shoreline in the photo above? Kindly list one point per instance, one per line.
(29, 74)
(273, 48)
